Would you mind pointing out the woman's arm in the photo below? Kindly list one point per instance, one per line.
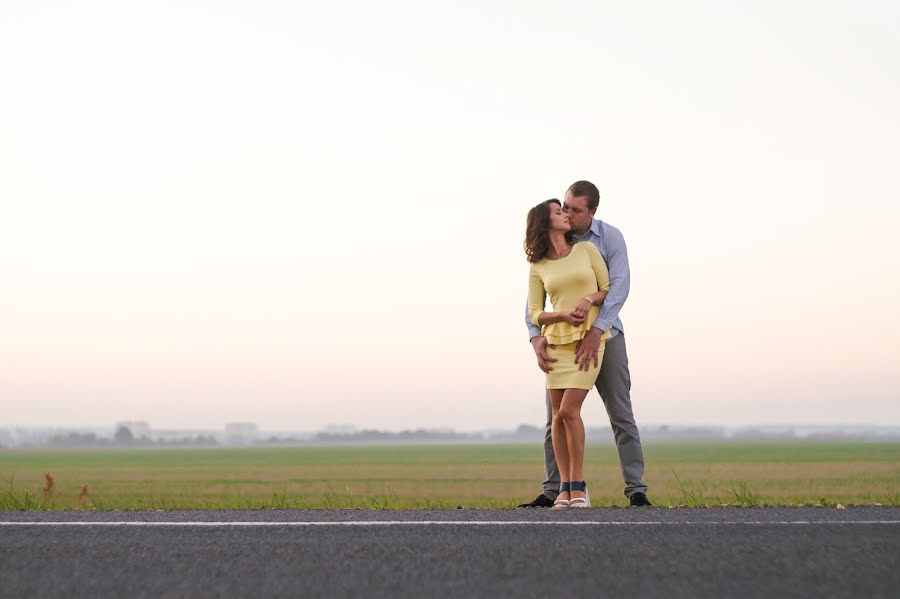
(600, 271)
(536, 297)
(550, 317)
(602, 275)
(589, 300)
(596, 298)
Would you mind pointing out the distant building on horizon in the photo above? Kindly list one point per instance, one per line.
(240, 433)
(138, 428)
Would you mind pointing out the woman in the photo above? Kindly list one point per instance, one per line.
(575, 277)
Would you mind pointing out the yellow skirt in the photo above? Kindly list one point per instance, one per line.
(565, 373)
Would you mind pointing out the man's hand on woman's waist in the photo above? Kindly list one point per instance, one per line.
(540, 350)
(587, 350)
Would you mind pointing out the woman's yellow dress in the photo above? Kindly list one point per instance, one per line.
(566, 281)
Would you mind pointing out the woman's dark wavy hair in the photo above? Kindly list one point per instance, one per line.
(537, 231)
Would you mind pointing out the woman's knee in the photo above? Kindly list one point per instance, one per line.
(569, 413)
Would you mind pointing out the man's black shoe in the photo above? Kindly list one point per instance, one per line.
(639, 500)
(541, 501)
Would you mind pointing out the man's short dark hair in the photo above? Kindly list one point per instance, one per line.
(586, 189)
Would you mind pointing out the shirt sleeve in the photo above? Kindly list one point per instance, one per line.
(619, 280)
(536, 298)
(533, 331)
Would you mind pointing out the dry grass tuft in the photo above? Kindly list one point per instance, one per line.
(83, 495)
(48, 487)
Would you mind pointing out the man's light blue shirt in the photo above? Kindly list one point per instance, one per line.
(611, 244)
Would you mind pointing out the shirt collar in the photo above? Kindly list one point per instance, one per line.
(595, 229)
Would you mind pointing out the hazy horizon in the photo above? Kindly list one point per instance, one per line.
(350, 428)
(302, 214)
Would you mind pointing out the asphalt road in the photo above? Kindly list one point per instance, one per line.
(658, 552)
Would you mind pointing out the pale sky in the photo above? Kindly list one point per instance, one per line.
(299, 214)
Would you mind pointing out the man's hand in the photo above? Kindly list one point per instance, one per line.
(586, 352)
(540, 349)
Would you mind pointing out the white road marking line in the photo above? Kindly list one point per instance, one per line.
(445, 523)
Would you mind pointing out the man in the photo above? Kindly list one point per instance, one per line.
(614, 380)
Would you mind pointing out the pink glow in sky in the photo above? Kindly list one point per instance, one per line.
(299, 215)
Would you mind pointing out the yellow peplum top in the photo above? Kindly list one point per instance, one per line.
(567, 280)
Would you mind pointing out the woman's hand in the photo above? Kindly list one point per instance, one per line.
(572, 318)
(581, 310)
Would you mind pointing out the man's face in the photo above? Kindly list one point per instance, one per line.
(579, 215)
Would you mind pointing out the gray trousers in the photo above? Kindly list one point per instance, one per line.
(614, 386)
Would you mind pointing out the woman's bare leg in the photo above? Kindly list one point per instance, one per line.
(569, 412)
(558, 436)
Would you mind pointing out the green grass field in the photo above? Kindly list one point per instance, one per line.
(447, 476)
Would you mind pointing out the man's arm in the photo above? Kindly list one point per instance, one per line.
(619, 280)
(533, 331)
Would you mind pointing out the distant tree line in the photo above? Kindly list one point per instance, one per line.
(123, 437)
